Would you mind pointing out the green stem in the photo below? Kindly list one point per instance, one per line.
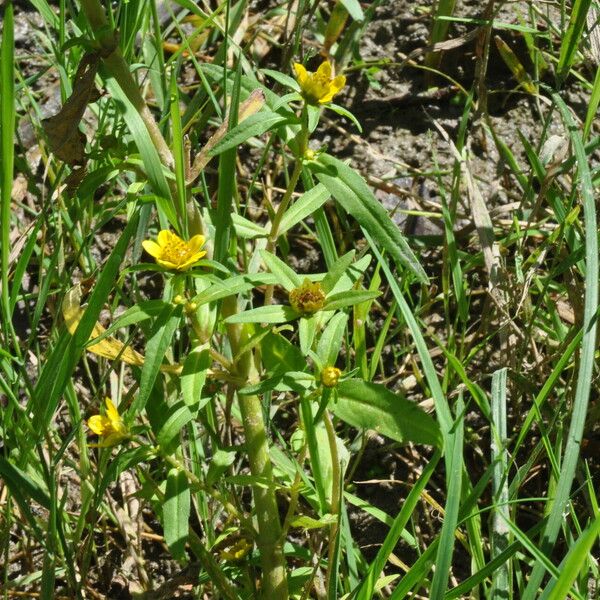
(117, 66)
(285, 201)
(270, 544)
(335, 490)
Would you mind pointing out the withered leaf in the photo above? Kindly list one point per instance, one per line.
(64, 137)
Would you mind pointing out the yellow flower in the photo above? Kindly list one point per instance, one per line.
(110, 427)
(174, 253)
(308, 298)
(319, 87)
(237, 551)
(330, 376)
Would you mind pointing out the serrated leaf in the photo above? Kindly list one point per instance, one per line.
(372, 406)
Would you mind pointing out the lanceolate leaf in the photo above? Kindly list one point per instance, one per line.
(176, 512)
(372, 406)
(159, 341)
(257, 124)
(353, 193)
(276, 313)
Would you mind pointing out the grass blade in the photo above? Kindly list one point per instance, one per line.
(586, 364)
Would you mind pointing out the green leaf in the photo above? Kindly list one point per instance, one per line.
(354, 9)
(573, 563)
(254, 125)
(193, 378)
(354, 195)
(340, 110)
(337, 270)
(247, 229)
(572, 37)
(305, 522)
(221, 461)
(24, 489)
(445, 549)
(233, 286)
(156, 348)
(586, 365)
(304, 206)
(148, 152)
(349, 298)
(60, 364)
(307, 329)
(365, 591)
(174, 419)
(372, 406)
(136, 314)
(286, 277)
(280, 355)
(331, 339)
(285, 80)
(277, 313)
(176, 513)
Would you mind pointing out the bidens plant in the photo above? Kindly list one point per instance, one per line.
(225, 350)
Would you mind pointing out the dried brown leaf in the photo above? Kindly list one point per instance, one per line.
(64, 137)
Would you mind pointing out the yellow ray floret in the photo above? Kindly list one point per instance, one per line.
(108, 347)
(109, 427)
(319, 87)
(171, 252)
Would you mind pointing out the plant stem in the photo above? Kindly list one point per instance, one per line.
(117, 66)
(285, 201)
(270, 544)
(335, 490)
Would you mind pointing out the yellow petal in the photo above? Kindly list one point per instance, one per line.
(196, 243)
(324, 70)
(152, 248)
(164, 237)
(301, 73)
(99, 424)
(192, 260)
(166, 264)
(111, 410)
(338, 83)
